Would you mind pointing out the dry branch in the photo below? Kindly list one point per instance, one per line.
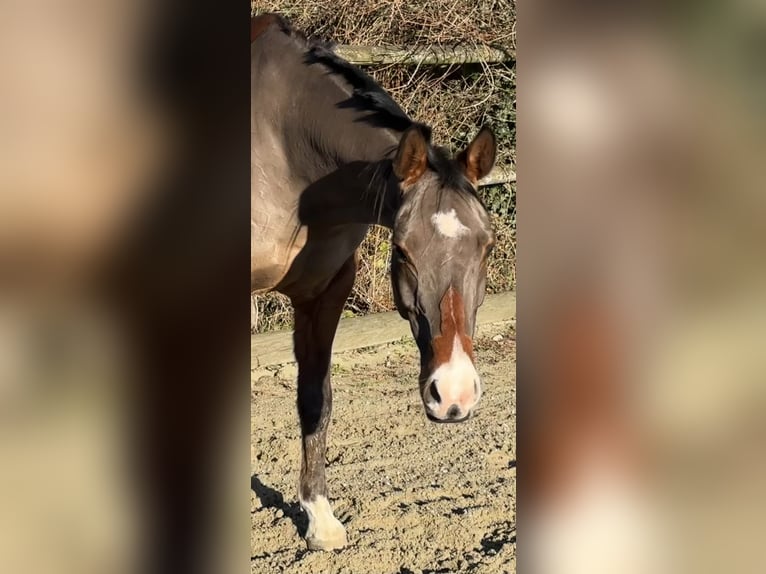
(499, 175)
(428, 55)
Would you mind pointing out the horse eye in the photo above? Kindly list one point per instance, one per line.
(405, 261)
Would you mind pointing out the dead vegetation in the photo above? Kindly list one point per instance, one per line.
(454, 99)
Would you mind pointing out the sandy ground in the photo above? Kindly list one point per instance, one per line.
(415, 496)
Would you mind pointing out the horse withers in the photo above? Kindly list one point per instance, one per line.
(331, 154)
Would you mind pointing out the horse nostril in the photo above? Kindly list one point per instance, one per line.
(432, 390)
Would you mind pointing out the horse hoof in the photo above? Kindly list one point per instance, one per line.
(333, 541)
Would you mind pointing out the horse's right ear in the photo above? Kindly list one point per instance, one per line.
(412, 156)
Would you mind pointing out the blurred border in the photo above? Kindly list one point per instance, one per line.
(641, 286)
(124, 285)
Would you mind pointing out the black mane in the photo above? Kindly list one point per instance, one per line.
(450, 173)
(368, 95)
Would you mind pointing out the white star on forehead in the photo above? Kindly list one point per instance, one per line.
(448, 224)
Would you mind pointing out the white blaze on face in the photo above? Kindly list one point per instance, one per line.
(325, 532)
(448, 224)
(454, 381)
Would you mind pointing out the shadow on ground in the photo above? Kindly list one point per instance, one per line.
(271, 498)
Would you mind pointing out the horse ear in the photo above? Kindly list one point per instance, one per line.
(479, 157)
(412, 156)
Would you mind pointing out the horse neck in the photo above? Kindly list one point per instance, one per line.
(340, 149)
(355, 192)
(353, 184)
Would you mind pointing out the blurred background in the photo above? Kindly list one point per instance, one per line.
(641, 287)
(124, 283)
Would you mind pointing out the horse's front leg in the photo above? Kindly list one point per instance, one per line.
(315, 324)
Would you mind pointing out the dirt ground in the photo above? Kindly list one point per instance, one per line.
(415, 496)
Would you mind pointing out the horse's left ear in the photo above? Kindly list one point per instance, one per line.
(412, 156)
(479, 157)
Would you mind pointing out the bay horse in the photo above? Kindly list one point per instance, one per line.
(331, 154)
